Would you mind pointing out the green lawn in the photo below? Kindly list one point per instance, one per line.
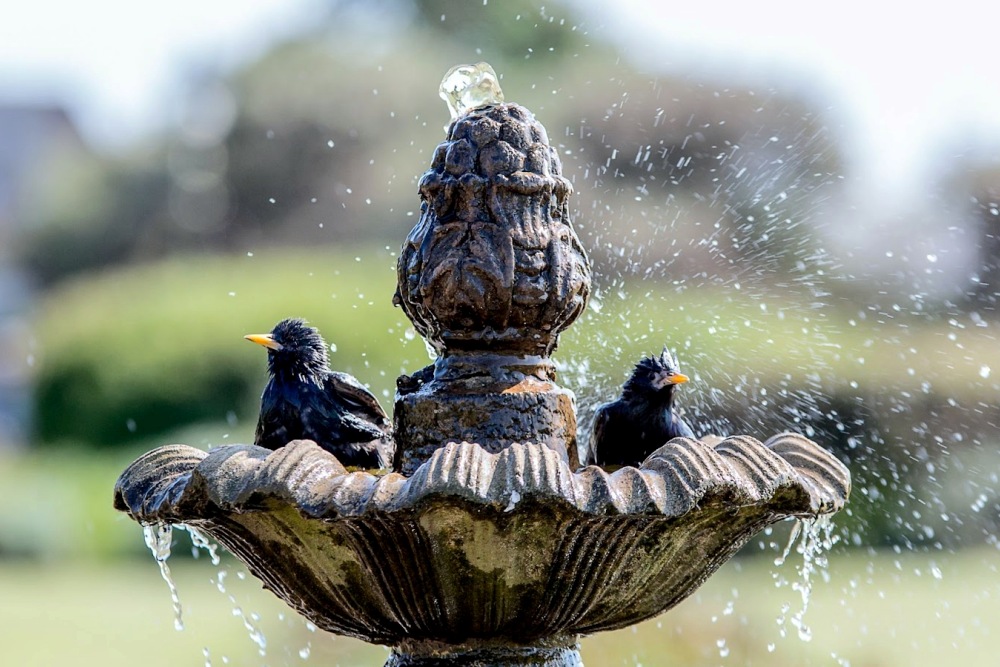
(882, 609)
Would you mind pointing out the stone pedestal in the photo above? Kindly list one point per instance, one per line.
(425, 655)
(490, 400)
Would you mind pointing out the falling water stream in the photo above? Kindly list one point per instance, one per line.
(812, 538)
(158, 537)
(250, 620)
(201, 541)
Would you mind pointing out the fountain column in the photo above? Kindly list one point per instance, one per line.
(490, 276)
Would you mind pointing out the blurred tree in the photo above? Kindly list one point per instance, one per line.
(742, 172)
(322, 138)
(325, 142)
(505, 32)
(88, 213)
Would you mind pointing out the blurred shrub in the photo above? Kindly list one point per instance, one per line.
(138, 352)
(130, 354)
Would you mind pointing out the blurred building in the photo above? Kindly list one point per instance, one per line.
(32, 137)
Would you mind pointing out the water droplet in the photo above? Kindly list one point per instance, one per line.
(514, 498)
(201, 541)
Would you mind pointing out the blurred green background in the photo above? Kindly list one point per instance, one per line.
(730, 212)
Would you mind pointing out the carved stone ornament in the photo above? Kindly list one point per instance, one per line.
(494, 265)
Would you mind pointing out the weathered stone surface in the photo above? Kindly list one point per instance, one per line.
(424, 654)
(494, 265)
(479, 547)
(490, 275)
(490, 400)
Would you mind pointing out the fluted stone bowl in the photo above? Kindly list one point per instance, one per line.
(513, 547)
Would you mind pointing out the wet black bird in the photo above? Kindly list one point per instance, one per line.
(304, 399)
(628, 430)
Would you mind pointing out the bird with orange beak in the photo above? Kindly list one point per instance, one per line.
(631, 428)
(305, 400)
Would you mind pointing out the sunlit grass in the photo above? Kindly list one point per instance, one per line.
(877, 609)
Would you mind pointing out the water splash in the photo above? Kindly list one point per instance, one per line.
(812, 538)
(796, 531)
(468, 87)
(158, 537)
(250, 620)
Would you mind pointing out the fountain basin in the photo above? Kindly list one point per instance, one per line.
(477, 548)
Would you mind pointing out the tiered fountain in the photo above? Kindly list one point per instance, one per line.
(487, 544)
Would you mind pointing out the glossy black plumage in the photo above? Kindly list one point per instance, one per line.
(304, 399)
(628, 430)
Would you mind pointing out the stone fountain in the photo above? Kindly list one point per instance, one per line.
(487, 544)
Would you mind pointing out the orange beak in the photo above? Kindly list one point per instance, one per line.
(265, 340)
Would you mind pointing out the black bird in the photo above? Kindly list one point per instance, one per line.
(304, 399)
(628, 430)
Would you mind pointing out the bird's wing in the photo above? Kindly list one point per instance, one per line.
(272, 430)
(598, 434)
(353, 392)
(358, 429)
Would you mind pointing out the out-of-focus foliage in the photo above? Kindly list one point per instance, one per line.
(506, 31)
(89, 213)
(723, 180)
(323, 138)
(141, 352)
(59, 506)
